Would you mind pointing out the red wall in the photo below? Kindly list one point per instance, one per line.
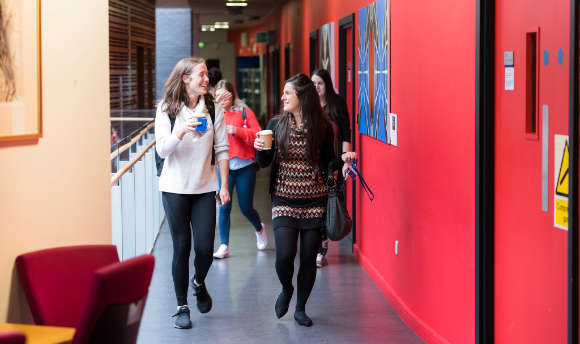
(424, 188)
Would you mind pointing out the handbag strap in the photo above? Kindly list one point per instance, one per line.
(364, 184)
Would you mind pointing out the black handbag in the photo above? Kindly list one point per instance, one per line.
(338, 222)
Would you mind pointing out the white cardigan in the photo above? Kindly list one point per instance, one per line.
(187, 168)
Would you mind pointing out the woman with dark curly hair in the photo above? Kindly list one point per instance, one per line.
(302, 156)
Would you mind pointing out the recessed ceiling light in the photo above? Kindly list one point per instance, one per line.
(236, 4)
(221, 25)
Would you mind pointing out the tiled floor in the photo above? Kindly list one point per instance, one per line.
(345, 305)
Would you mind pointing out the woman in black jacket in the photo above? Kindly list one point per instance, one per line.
(335, 110)
(302, 156)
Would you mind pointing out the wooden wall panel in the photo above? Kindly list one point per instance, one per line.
(131, 26)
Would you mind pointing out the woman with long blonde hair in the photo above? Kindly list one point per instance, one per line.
(191, 135)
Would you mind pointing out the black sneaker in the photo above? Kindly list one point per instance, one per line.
(182, 318)
(204, 302)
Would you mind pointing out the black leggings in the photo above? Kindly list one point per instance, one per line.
(181, 211)
(286, 246)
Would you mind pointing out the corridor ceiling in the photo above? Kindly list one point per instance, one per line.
(212, 11)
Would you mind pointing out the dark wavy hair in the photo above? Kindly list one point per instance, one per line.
(314, 121)
(215, 75)
(333, 100)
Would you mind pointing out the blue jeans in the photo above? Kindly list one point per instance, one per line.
(245, 179)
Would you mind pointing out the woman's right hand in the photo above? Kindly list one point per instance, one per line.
(224, 98)
(189, 127)
(258, 143)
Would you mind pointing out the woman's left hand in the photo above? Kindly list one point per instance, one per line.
(224, 195)
(349, 156)
(230, 129)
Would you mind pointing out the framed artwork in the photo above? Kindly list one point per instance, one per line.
(374, 70)
(20, 70)
(327, 49)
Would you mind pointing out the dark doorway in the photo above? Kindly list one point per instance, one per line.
(314, 51)
(248, 80)
(150, 80)
(212, 63)
(287, 61)
(275, 81)
(140, 78)
(347, 91)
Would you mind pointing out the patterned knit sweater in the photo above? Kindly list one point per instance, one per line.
(301, 192)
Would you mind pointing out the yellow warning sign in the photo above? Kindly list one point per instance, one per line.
(561, 211)
(562, 184)
(561, 181)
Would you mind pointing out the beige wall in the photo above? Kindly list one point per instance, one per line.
(56, 191)
(218, 47)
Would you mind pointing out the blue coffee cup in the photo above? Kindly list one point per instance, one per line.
(202, 127)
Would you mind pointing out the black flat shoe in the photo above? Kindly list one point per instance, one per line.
(282, 303)
(302, 319)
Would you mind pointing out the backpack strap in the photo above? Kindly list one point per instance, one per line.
(244, 117)
(158, 160)
(211, 109)
(172, 120)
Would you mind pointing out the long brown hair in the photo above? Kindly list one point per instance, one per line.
(333, 100)
(315, 123)
(174, 93)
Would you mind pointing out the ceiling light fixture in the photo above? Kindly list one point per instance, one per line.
(207, 28)
(222, 25)
(236, 4)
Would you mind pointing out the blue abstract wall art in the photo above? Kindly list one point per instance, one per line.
(373, 73)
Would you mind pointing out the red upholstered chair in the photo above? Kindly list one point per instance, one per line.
(12, 337)
(57, 281)
(112, 313)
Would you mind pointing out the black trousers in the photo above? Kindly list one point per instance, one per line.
(286, 247)
(187, 213)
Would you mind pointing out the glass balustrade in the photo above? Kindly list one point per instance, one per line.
(137, 213)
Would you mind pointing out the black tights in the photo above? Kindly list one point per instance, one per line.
(286, 246)
(183, 211)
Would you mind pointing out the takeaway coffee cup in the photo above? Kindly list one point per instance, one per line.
(266, 136)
